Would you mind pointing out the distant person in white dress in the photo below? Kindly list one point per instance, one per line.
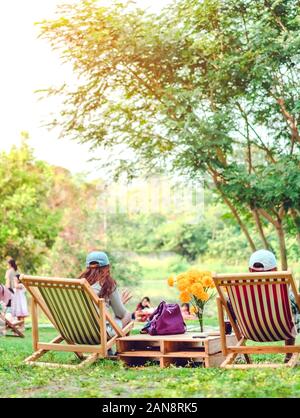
(18, 308)
(10, 275)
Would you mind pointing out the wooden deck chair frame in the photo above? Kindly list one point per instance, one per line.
(41, 348)
(222, 281)
(12, 326)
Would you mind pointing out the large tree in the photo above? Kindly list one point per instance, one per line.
(206, 87)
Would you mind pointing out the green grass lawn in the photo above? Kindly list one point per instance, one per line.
(108, 378)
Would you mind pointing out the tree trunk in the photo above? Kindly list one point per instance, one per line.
(214, 175)
(282, 246)
(260, 229)
(277, 223)
(296, 220)
(238, 218)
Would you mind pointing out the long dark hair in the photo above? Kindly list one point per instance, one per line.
(13, 264)
(95, 273)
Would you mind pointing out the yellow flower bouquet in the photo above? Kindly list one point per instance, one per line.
(195, 287)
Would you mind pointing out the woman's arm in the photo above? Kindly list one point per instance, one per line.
(125, 296)
(118, 307)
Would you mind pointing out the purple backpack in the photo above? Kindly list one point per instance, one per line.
(165, 320)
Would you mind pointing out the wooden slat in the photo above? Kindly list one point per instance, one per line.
(102, 327)
(186, 354)
(70, 347)
(187, 337)
(149, 354)
(67, 282)
(115, 326)
(35, 325)
(128, 327)
(253, 275)
(264, 349)
(236, 283)
(259, 278)
(222, 325)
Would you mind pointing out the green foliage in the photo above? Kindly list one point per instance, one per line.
(152, 233)
(210, 86)
(134, 232)
(50, 220)
(269, 187)
(187, 240)
(77, 201)
(199, 72)
(28, 226)
(82, 230)
(125, 270)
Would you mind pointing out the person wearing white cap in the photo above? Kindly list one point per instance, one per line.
(264, 260)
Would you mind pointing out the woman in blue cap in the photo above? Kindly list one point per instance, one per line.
(98, 275)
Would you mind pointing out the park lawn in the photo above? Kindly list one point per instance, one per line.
(108, 378)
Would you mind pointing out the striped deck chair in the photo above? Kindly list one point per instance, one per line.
(259, 310)
(78, 315)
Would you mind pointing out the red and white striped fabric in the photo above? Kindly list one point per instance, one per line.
(263, 311)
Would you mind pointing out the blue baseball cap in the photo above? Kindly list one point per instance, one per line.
(97, 257)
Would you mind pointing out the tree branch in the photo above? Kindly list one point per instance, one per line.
(260, 228)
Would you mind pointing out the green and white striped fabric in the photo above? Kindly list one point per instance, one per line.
(74, 313)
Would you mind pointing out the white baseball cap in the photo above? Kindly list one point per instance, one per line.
(264, 257)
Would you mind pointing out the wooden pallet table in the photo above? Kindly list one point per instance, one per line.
(136, 350)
